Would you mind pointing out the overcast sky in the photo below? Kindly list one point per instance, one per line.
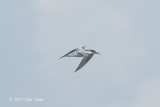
(35, 33)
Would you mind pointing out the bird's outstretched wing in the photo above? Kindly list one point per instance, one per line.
(85, 59)
(69, 53)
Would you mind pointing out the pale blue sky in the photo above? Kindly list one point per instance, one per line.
(35, 33)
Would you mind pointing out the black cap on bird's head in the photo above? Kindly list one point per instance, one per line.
(94, 52)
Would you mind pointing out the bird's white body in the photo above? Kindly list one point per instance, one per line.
(77, 53)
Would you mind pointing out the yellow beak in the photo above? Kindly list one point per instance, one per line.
(98, 53)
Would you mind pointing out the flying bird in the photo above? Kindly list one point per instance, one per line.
(81, 52)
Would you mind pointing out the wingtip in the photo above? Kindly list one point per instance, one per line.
(75, 71)
(61, 57)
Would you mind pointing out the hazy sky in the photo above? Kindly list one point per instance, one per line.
(35, 33)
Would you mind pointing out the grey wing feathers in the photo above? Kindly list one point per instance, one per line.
(68, 53)
(86, 58)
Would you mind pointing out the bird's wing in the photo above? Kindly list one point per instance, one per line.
(85, 59)
(68, 53)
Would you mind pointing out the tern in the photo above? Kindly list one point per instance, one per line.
(81, 52)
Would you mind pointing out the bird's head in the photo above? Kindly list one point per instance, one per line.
(95, 52)
(83, 47)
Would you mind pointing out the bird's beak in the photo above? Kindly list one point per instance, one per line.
(98, 53)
